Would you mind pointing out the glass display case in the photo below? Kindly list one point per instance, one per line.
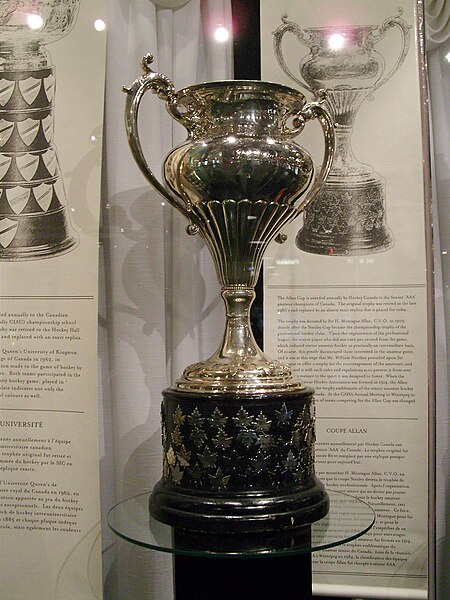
(309, 236)
(202, 560)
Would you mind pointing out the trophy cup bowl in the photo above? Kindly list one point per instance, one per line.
(238, 428)
(34, 221)
(348, 216)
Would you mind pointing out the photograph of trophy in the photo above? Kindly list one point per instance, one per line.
(34, 220)
(348, 216)
(238, 428)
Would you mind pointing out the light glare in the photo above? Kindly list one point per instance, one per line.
(221, 34)
(336, 41)
(34, 21)
(99, 25)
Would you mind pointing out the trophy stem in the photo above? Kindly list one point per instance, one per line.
(239, 366)
(238, 340)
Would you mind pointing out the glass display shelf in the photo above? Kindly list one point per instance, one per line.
(348, 519)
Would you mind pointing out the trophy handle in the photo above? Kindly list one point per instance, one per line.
(289, 26)
(314, 110)
(164, 88)
(376, 36)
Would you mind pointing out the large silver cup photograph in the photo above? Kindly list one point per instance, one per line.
(34, 218)
(348, 217)
(238, 428)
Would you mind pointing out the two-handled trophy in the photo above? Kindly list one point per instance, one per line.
(348, 216)
(238, 428)
(34, 219)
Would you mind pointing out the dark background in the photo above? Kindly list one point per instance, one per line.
(247, 65)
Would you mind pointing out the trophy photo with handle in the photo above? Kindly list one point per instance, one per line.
(238, 428)
(348, 216)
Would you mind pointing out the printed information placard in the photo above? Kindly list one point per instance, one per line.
(346, 297)
(51, 113)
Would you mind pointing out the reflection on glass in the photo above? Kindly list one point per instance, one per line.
(221, 34)
(35, 21)
(336, 41)
(99, 25)
(348, 519)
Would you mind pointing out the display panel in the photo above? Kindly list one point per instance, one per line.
(51, 110)
(346, 298)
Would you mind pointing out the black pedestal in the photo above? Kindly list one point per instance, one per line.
(272, 565)
(276, 578)
(237, 463)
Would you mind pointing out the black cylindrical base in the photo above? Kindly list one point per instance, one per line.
(235, 463)
(274, 578)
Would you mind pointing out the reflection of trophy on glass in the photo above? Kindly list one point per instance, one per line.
(348, 216)
(238, 428)
(34, 222)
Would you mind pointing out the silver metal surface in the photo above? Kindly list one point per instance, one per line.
(239, 178)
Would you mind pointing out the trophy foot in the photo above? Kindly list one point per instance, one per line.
(346, 219)
(238, 542)
(238, 463)
(239, 366)
(239, 513)
(245, 377)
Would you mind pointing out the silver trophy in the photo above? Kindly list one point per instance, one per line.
(348, 216)
(34, 221)
(238, 428)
